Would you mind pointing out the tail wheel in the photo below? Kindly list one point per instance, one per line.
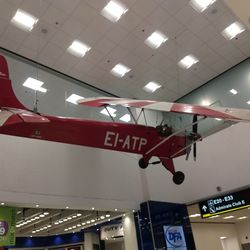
(142, 163)
(178, 177)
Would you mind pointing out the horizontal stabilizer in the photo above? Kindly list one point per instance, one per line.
(230, 114)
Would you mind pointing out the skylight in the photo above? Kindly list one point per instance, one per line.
(125, 118)
(74, 98)
(201, 5)
(233, 30)
(35, 84)
(156, 39)
(114, 10)
(24, 20)
(78, 48)
(188, 61)
(152, 87)
(110, 110)
(120, 70)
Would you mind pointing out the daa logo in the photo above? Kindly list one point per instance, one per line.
(3, 228)
(174, 236)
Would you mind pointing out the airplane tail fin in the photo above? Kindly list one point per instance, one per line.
(7, 95)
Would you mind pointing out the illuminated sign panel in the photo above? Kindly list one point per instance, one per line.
(225, 203)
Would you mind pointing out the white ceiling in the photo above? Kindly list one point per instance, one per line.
(189, 32)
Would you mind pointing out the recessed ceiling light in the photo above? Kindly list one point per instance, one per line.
(34, 84)
(156, 39)
(248, 102)
(24, 20)
(151, 87)
(114, 10)
(233, 91)
(2, 203)
(93, 208)
(228, 217)
(79, 214)
(69, 218)
(46, 213)
(88, 222)
(242, 218)
(74, 98)
(37, 205)
(126, 118)
(120, 70)
(92, 220)
(110, 110)
(67, 207)
(188, 61)
(78, 48)
(116, 209)
(102, 217)
(223, 237)
(233, 30)
(201, 5)
(42, 215)
(107, 215)
(66, 229)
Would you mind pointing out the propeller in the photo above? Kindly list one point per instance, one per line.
(195, 131)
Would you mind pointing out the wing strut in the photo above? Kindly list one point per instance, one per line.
(111, 117)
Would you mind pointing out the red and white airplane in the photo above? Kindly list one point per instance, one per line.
(161, 141)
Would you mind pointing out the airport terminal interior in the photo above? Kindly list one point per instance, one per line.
(124, 124)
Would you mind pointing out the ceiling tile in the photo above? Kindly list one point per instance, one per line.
(54, 16)
(172, 7)
(130, 20)
(44, 30)
(186, 15)
(189, 41)
(62, 39)
(143, 30)
(28, 52)
(96, 72)
(52, 50)
(9, 10)
(100, 24)
(34, 42)
(143, 7)
(14, 34)
(89, 36)
(220, 65)
(157, 17)
(35, 8)
(116, 33)
(3, 25)
(84, 13)
(130, 42)
(83, 66)
(118, 53)
(172, 28)
(94, 56)
(207, 33)
(9, 44)
(131, 60)
(65, 63)
(72, 27)
(104, 45)
(197, 24)
(97, 4)
(144, 52)
(65, 5)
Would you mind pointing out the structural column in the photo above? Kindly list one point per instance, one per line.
(90, 239)
(130, 239)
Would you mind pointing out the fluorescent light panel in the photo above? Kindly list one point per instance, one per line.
(188, 61)
(120, 70)
(111, 111)
(24, 20)
(201, 5)
(151, 87)
(156, 39)
(74, 98)
(194, 215)
(242, 218)
(228, 217)
(35, 84)
(114, 10)
(234, 91)
(78, 48)
(233, 30)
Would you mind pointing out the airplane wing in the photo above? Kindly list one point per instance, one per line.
(230, 114)
(10, 116)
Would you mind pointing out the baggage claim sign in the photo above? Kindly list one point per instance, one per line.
(225, 203)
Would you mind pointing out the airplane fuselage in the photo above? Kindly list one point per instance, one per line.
(98, 134)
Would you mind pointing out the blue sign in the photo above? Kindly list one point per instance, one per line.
(174, 237)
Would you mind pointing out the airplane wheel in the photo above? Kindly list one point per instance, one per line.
(142, 163)
(178, 177)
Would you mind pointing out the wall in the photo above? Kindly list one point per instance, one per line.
(114, 245)
(243, 229)
(207, 235)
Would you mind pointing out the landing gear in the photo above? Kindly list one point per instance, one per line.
(142, 163)
(178, 177)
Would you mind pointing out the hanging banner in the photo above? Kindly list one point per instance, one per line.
(7, 226)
